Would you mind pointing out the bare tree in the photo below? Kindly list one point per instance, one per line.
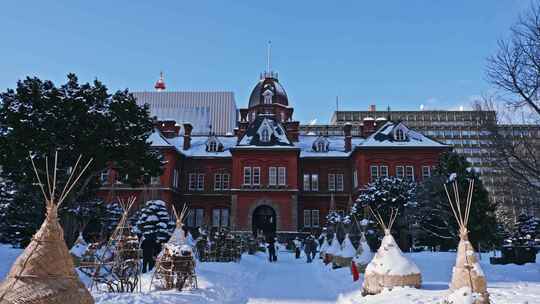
(513, 156)
(515, 68)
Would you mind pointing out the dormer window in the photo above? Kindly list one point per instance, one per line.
(267, 95)
(321, 144)
(213, 144)
(265, 135)
(399, 135)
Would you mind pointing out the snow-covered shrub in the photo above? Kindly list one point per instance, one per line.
(154, 219)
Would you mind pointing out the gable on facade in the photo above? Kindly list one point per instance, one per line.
(321, 144)
(397, 134)
(265, 131)
(213, 144)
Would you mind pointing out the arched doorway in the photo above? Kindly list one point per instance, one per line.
(264, 219)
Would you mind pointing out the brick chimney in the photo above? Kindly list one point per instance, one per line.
(169, 128)
(348, 137)
(187, 136)
(369, 126)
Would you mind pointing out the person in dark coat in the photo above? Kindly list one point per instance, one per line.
(150, 249)
(309, 244)
(272, 257)
(314, 247)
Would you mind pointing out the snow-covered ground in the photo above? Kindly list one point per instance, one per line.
(256, 281)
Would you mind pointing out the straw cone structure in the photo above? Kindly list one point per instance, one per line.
(467, 272)
(390, 267)
(175, 267)
(178, 237)
(44, 273)
(118, 268)
(345, 256)
(363, 254)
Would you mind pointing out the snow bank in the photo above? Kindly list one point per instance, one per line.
(464, 296)
(80, 246)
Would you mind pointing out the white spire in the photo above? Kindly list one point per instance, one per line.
(268, 55)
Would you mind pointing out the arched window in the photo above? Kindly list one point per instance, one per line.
(213, 144)
(268, 97)
(321, 144)
(265, 135)
(400, 135)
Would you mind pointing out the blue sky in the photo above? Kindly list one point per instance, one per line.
(397, 53)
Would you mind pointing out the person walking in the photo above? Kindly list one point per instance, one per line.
(272, 250)
(314, 247)
(297, 247)
(150, 251)
(309, 243)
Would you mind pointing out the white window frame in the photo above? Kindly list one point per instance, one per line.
(307, 218)
(400, 174)
(409, 173)
(247, 176)
(195, 218)
(282, 176)
(226, 181)
(212, 146)
(383, 171)
(340, 182)
(200, 181)
(218, 181)
(373, 172)
(426, 173)
(400, 135)
(314, 182)
(315, 218)
(220, 217)
(331, 182)
(272, 176)
(307, 183)
(192, 181)
(265, 135)
(176, 178)
(256, 176)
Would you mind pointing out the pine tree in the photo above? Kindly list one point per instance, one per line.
(434, 216)
(113, 213)
(385, 194)
(21, 215)
(76, 119)
(154, 219)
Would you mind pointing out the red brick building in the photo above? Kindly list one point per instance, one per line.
(269, 177)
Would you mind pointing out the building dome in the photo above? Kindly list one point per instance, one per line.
(268, 89)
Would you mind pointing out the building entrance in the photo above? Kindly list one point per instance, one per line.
(264, 220)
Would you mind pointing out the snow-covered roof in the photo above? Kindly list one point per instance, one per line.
(385, 137)
(157, 140)
(198, 146)
(336, 147)
(265, 123)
